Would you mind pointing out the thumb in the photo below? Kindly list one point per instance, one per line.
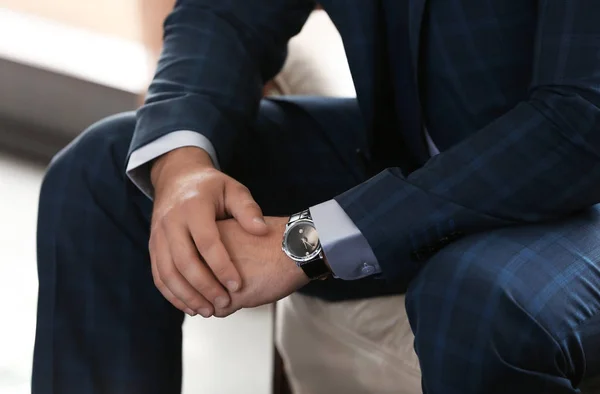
(241, 205)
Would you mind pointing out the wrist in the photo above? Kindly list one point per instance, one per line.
(185, 157)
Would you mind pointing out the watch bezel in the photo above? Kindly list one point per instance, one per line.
(284, 246)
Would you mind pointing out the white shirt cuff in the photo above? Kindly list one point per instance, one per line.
(347, 251)
(138, 169)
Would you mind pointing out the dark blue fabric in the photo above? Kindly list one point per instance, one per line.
(102, 325)
(498, 234)
(513, 310)
(403, 77)
(509, 90)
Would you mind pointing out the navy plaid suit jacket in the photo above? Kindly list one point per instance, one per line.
(509, 91)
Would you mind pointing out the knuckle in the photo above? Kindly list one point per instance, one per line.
(192, 202)
(183, 263)
(210, 181)
(193, 301)
(212, 173)
(153, 249)
(159, 284)
(167, 275)
(204, 288)
(173, 300)
(209, 288)
(153, 239)
(241, 188)
(163, 222)
(221, 270)
(205, 241)
(249, 204)
(235, 189)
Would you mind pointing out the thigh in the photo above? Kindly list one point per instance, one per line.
(528, 294)
(102, 326)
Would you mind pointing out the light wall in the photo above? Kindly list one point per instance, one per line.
(112, 17)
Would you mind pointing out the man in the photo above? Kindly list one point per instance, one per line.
(497, 236)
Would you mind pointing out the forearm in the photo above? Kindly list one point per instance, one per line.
(538, 161)
(215, 59)
(531, 165)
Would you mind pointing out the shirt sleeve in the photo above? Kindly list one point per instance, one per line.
(347, 251)
(138, 169)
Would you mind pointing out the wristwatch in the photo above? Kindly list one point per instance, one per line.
(301, 244)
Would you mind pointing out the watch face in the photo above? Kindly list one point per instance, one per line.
(303, 240)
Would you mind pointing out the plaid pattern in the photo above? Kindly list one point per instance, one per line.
(515, 309)
(511, 95)
(509, 91)
(102, 326)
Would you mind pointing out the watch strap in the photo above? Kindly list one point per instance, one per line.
(316, 269)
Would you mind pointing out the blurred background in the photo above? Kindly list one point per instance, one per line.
(65, 64)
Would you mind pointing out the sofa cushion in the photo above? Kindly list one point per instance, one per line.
(316, 62)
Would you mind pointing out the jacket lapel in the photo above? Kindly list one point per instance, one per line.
(403, 26)
(416, 10)
(364, 44)
(359, 31)
(415, 135)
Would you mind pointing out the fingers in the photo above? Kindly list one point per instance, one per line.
(225, 312)
(169, 281)
(206, 237)
(164, 290)
(196, 273)
(241, 205)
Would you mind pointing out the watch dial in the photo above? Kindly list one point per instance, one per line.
(302, 240)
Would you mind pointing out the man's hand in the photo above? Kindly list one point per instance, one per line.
(268, 273)
(190, 264)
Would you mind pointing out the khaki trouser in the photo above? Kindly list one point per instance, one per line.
(349, 347)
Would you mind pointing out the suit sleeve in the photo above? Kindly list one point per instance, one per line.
(538, 162)
(216, 58)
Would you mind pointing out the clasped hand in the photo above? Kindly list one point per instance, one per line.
(212, 252)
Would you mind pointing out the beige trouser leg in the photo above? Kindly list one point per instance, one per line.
(348, 347)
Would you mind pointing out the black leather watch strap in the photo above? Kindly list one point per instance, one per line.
(316, 269)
